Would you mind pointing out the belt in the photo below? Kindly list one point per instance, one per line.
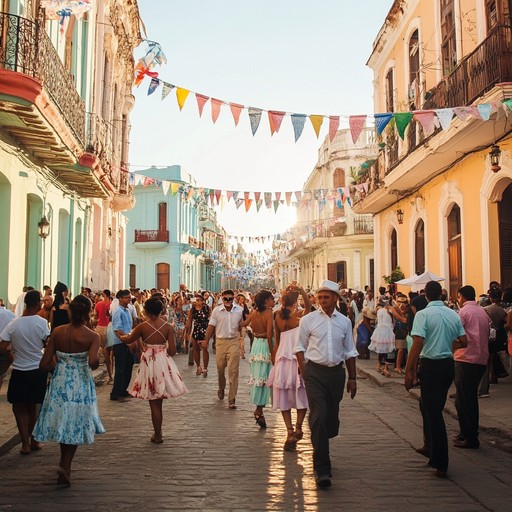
(324, 365)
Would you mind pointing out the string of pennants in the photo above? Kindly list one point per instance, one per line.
(217, 197)
(428, 119)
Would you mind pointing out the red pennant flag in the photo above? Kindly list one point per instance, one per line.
(201, 100)
(216, 104)
(278, 196)
(235, 110)
(288, 198)
(229, 193)
(257, 196)
(275, 119)
(217, 195)
(246, 195)
(334, 122)
(356, 124)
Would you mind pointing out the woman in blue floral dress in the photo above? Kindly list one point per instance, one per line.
(69, 414)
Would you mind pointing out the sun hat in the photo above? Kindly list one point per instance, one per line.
(369, 313)
(329, 286)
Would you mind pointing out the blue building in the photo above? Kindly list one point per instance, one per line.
(172, 236)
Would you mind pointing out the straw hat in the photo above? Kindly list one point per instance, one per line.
(369, 313)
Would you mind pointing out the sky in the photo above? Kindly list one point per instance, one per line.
(287, 55)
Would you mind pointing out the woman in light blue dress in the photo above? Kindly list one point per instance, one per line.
(69, 414)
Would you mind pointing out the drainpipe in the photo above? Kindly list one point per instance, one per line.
(71, 242)
(85, 245)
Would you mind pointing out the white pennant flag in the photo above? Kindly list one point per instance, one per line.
(165, 186)
(445, 116)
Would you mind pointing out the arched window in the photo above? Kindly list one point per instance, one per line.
(163, 276)
(338, 178)
(419, 247)
(394, 249)
(454, 250)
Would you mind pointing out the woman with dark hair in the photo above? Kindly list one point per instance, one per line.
(261, 323)
(69, 414)
(158, 376)
(288, 391)
(59, 314)
(197, 323)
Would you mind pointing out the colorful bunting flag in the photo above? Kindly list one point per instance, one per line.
(174, 188)
(356, 123)
(316, 121)
(236, 109)
(402, 120)
(428, 121)
(201, 101)
(153, 86)
(254, 118)
(445, 116)
(334, 122)
(381, 121)
(181, 96)
(166, 89)
(298, 121)
(216, 104)
(275, 118)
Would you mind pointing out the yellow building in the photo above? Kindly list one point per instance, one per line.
(438, 202)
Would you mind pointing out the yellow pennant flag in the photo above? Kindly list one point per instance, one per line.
(316, 121)
(181, 96)
(174, 188)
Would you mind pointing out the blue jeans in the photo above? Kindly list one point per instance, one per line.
(436, 377)
(123, 364)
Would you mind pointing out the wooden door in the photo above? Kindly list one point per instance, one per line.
(505, 237)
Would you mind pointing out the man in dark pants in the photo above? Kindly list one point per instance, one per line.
(470, 365)
(325, 344)
(122, 323)
(436, 331)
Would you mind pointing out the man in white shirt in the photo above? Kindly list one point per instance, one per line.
(226, 321)
(27, 386)
(6, 317)
(324, 346)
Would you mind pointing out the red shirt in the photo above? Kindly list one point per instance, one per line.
(101, 309)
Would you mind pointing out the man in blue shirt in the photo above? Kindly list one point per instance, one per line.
(437, 331)
(122, 323)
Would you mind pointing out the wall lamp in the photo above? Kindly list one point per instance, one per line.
(43, 227)
(495, 155)
(400, 216)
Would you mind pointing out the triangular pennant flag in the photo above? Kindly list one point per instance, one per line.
(166, 89)
(462, 112)
(275, 118)
(216, 104)
(165, 186)
(235, 110)
(235, 196)
(278, 196)
(381, 121)
(402, 120)
(288, 198)
(316, 121)
(334, 122)
(365, 187)
(254, 118)
(174, 188)
(153, 85)
(190, 194)
(201, 101)
(356, 124)
(427, 119)
(238, 202)
(148, 181)
(217, 195)
(474, 112)
(248, 203)
(298, 193)
(181, 96)
(257, 196)
(445, 116)
(268, 199)
(276, 205)
(246, 195)
(485, 111)
(229, 193)
(259, 202)
(508, 104)
(298, 121)
(138, 179)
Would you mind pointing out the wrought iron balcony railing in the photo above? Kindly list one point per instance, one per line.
(151, 235)
(26, 48)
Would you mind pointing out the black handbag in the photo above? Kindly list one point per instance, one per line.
(400, 330)
(498, 338)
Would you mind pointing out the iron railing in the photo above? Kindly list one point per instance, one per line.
(26, 48)
(151, 235)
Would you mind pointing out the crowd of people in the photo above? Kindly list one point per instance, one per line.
(303, 351)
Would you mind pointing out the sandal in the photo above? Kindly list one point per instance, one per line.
(205, 372)
(199, 370)
(291, 441)
(386, 373)
(260, 420)
(298, 432)
(399, 371)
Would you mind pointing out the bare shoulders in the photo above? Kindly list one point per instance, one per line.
(72, 339)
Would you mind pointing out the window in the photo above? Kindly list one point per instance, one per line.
(372, 274)
(454, 250)
(448, 44)
(491, 14)
(163, 276)
(394, 249)
(390, 88)
(419, 247)
(162, 217)
(337, 272)
(338, 178)
(414, 85)
(133, 276)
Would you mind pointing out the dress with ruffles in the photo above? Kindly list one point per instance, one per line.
(158, 376)
(260, 368)
(288, 390)
(383, 337)
(69, 414)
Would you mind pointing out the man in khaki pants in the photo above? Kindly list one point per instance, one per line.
(226, 321)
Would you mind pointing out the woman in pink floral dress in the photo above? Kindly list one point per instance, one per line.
(158, 376)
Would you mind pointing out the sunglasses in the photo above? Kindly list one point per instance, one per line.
(227, 299)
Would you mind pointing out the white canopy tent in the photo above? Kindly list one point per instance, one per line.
(417, 282)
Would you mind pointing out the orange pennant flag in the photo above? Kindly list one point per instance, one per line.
(201, 101)
(216, 104)
(181, 95)
(248, 203)
(316, 121)
(275, 119)
(288, 198)
(235, 110)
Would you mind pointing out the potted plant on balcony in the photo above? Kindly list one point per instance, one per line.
(396, 275)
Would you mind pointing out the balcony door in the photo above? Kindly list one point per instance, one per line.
(454, 250)
(448, 41)
(419, 247)
(505, 237)
(162, 217)
(394, 249)
(337, 272)
(163, 276)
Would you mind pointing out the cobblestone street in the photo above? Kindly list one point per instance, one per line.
(216, 459)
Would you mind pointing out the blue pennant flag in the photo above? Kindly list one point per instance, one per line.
(298, 121)
(381, 121)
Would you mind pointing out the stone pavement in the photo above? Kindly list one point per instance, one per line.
(216, 459)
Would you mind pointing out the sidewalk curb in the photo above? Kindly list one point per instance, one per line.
(11, 442)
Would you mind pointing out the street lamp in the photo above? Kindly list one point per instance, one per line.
(400, 216)
(43, 227)
(495, 155)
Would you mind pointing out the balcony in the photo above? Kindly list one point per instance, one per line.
(483, 76)
(151, 238)
(40, 108)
